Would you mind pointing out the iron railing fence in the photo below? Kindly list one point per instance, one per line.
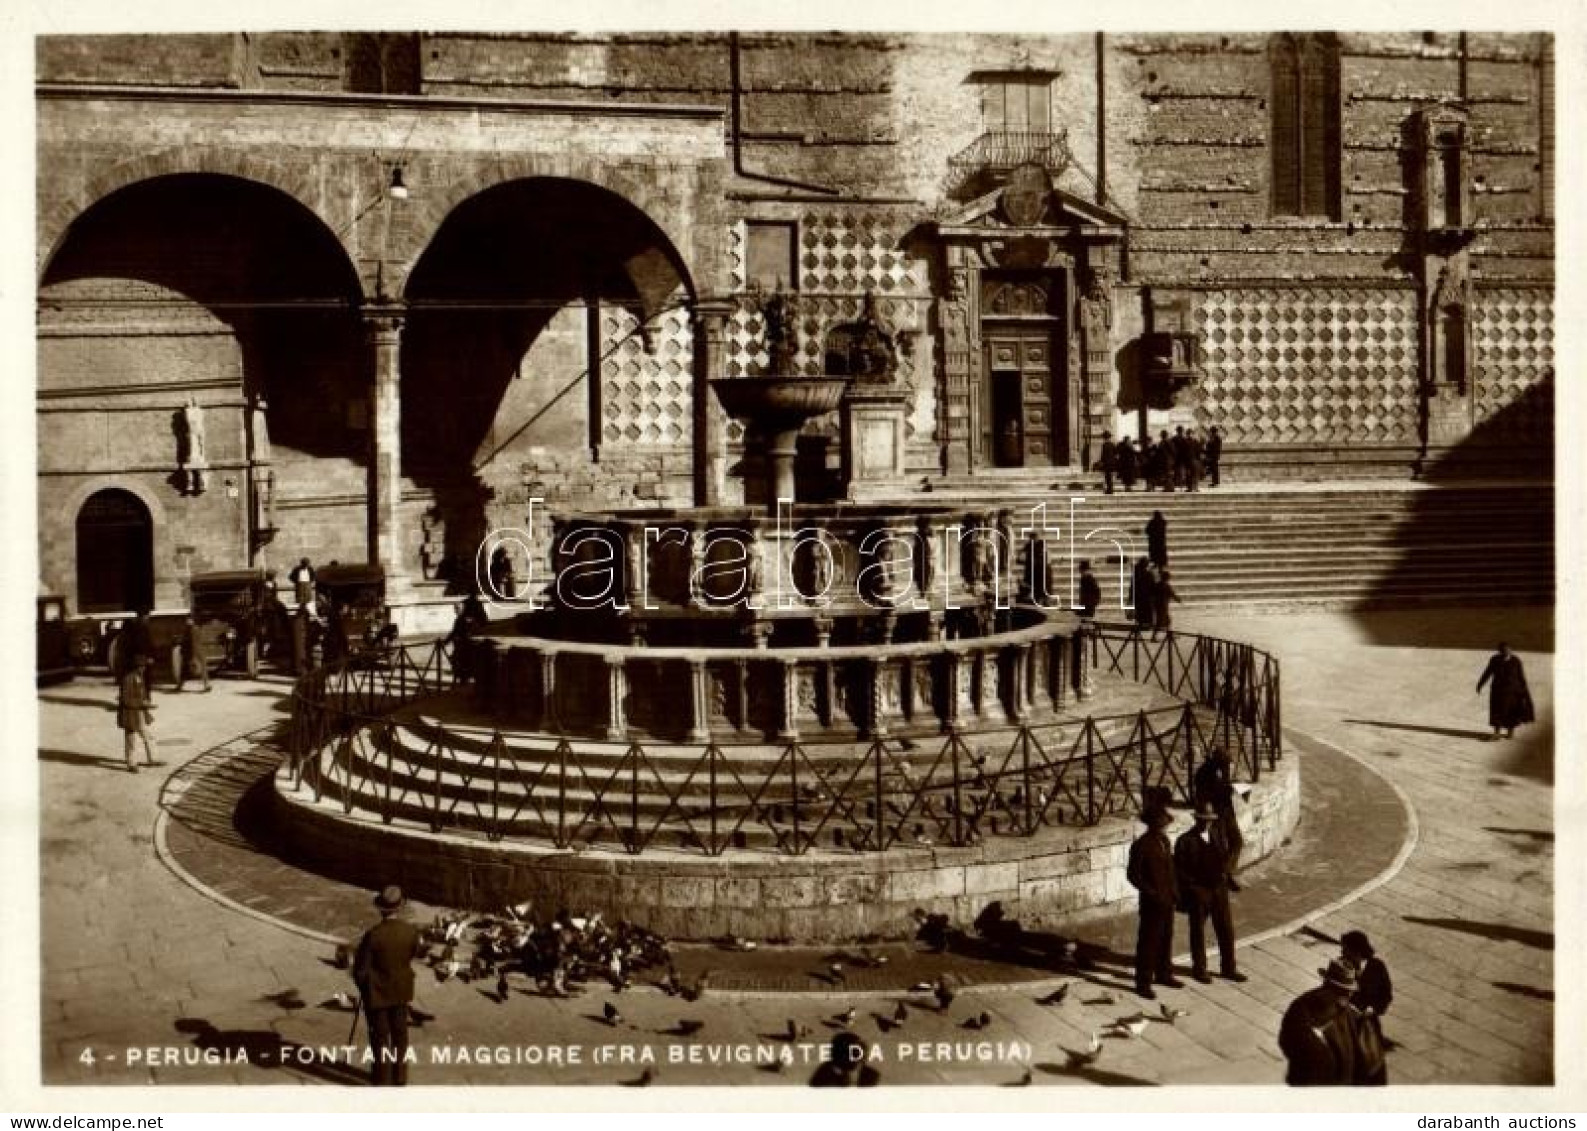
(786, 796)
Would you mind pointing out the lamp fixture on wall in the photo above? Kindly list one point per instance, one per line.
(397, 190)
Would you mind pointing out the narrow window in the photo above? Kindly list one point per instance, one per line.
(1304, 135)
(771, 255)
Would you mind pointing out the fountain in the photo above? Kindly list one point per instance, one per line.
(797, 721)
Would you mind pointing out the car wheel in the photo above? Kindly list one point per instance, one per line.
(83, 647)
(113, 656)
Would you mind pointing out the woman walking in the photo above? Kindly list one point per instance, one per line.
(1509, 700)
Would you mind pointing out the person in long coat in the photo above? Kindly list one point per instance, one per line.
(1164, 595)
(1128, 467)
(1144, 593)
(135, 710)
(1318, 1035)
(1090, 591)
(1108, 461)
(1151, 874)
(1509, 700)
(383, 969)
(1214, 454)
(1157, 539)
(1201, 868)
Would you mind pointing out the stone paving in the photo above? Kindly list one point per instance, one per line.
(134, 958)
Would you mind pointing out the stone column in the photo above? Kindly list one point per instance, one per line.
(789, 728)
(699, 703)
(710, 422)
(616, 691)
(383, 325)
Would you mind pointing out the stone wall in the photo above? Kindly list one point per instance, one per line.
(1062, 876)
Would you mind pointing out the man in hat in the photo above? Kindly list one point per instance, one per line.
(1127, 458)
(135, 710)
(1151, 873)
(1319, 1034)
(1090, 591)
(1214, 454)
(1108, 461)
(383, 969)
(1200, 865)
(1213, 784)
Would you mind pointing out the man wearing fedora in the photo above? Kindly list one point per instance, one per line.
(1201, 864)
(1151, 873)
(383, 969)
(1320, 1035)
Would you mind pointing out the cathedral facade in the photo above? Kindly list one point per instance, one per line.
(363, 296)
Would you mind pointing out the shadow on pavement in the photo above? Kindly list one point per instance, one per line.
(78, 701)
(266, 1049)
(1447, 732)
(72, 758)
(1526, 629)
(1525, 991)
(1533, 756)
(1542, 940)
(1093, 1075)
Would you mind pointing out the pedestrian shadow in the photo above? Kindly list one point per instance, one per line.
(1532, 754)
(1416, 728)
(72, 758)
(1542, 836)
(1525, 991)
(1093, 1075)
(1497, 932)
(79, 701)
(267, 1049)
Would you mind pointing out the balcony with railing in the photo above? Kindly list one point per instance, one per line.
(981, 164)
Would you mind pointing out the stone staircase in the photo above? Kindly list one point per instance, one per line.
(1357, 545)
(456, 778)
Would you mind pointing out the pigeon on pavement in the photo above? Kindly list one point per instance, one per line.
(1171, 1015)
(1056, 997)
(612, 1016)
(943, 993)
(1090, 1056)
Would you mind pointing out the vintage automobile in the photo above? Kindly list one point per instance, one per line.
(54, 641)
(352, 599)
(237, 616)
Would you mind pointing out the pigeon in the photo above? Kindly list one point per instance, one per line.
(417, 1016)
(774, 1067)
(796, 1031)
(921, 988)
(901, 1014)
(1131, 1027)
(339, 1000)
(1101, 999)
(1090, 1056)
(646, 1078)
(687, 1028)
(501, 986)
(973, 1023)
(286, 999)
(847, 1016)
(609, 1012)
(943, 993)
(669, 983)
(1171, 1015)
(344, 957)
(835, 973)
(1025, 1080)
(873, 959)
(696, 991)
(1057, 997)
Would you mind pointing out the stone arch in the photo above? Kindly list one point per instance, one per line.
(631, 185)
(162, 547)
(55, 222)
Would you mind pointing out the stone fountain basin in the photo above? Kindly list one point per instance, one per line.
(779, 401)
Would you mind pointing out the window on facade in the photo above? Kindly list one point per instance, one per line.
(1017, 103)
(771, 255)
(1304, 139)
(381, 62)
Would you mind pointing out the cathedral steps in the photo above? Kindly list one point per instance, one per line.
(1330, 545)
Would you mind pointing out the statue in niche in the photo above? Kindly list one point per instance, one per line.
(1453, 285)
(191, 456)
(779, 313)
(432, 544)
(258, 429)
(1096, 307)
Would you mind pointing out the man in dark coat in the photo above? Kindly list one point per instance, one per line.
(195, 663)
(135, 710)
(1108, 461)
(1509, 701)
(1128, 467)
(1214, 453)
(1213, 784)
(1151, 874)
(1143, 593)
(1157, 539)
(1180, 447)
(1165, 595)
(1149, 462)
(383, 969)
(1090, 591)
(1167, 464)
(1319, 1036)
(1192, 462)
(1200, 866)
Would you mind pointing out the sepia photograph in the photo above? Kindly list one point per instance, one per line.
(782, 558)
